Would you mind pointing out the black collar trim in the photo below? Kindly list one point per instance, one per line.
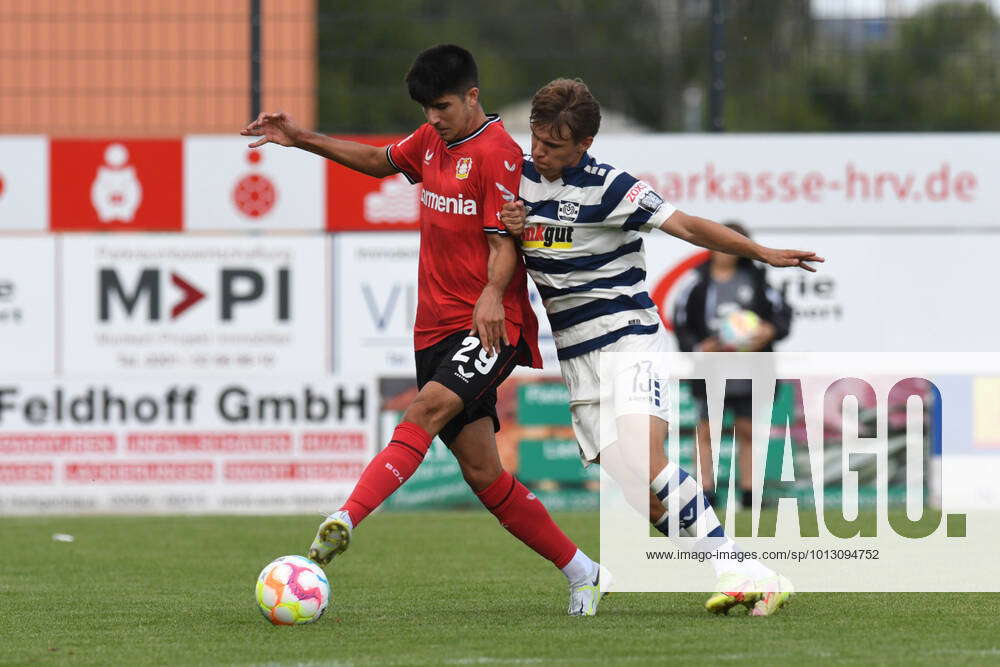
(490, 119)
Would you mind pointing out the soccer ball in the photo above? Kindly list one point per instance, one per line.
(292, 590)
(738, 328)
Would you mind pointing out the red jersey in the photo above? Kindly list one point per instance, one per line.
(465, 184)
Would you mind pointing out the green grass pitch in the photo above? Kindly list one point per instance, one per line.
(428, 588)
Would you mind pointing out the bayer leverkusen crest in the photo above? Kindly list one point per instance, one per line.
(462, 168)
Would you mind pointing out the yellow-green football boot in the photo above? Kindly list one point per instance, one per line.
(776, 591)
(734, 589)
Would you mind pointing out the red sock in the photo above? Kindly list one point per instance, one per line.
(525, 517)
(388, 470)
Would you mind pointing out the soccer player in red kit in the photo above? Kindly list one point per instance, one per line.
(474, 322)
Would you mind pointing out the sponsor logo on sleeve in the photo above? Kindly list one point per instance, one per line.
(637, 189)
(504, 192)
(650, 202)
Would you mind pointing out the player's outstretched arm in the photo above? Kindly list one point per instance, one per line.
(279, 128)
(488, 319)
(708, 234)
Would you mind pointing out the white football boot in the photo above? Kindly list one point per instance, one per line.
(584, 597)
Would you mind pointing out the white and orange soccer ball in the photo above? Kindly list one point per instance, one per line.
(292, 590)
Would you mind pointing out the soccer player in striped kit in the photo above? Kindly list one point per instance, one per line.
(580, 223)
(474, 322)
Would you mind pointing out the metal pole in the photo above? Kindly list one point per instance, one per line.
(254, 58)
(717, 88)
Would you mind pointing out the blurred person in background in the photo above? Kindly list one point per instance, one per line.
(724, 287)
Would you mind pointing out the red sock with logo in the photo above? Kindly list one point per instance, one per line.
(388, 470)
(525, 517)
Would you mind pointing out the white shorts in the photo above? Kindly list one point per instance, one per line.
(639, 387)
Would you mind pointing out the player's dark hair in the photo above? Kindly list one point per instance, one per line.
(566, 105)
(441, 70)
(737, 227)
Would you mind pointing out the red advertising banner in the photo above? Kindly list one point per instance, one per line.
(116, 184)
(356, 202)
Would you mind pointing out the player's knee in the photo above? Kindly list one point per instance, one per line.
(430, 413)
(479, 475)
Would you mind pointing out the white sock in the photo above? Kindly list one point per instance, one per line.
(757, 570)
(580, 568)
(751, 568)
(721, 564)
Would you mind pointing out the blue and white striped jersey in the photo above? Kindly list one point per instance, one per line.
(583, 249)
